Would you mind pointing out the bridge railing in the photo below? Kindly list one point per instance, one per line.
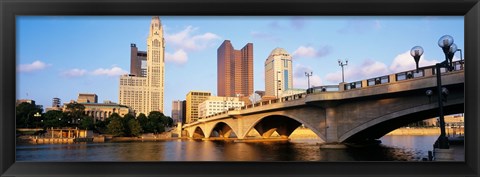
(410, 74)
(324, 88)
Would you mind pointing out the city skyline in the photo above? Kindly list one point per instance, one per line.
(64, 56)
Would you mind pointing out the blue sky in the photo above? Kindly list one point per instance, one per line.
(61, 56)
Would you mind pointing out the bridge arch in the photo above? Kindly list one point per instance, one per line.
(378, 127)
(197, 133)
(283, 123)
(222, 129)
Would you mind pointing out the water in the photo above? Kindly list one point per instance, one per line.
(393, 148)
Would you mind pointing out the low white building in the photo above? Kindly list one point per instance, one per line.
(216, 104)
(290, 92)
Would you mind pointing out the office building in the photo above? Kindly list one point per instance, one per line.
(143, 89)
(234, 70)
(87, 98)
(138, 61)
(216, 104)
(278, 72)
(194, 98)
(177, 111)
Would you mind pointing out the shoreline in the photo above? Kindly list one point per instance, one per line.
(427, 131)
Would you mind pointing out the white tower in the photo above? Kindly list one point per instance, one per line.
(278, 72)
(155, 66)
(146, 94)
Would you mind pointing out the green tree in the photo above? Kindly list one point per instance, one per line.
(75, 112)
(134, 128)
(54, 118)
(156, 122)
(143, 120)
(101, 126)
(87, 123)
(126, 119)
(169, 121)
(116, 126)
(25, 115)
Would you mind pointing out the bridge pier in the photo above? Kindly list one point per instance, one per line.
(331, 133)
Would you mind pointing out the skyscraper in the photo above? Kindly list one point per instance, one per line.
(143, 88)
(234, 70)
(278, 72)
(177, 109)
(194, 98)
(138, 61)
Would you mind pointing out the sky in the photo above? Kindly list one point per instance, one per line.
(62, 56)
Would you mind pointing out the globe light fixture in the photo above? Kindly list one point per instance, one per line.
(416, 52)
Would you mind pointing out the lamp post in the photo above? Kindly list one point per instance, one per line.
(445, 42)
(308, 78)
(341, 64)
(449, 48)
(416, 52)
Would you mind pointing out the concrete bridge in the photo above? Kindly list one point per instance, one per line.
(348, 112)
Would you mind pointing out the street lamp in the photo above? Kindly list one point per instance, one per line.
(416, 52)
(308, 77)
(446, 43)
(341, 64)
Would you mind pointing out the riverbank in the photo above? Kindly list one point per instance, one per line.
(427, 131)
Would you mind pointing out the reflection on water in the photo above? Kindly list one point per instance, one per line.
(393, 148)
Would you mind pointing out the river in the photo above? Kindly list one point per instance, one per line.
(393, 148)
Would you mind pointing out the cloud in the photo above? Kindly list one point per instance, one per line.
(179, 57)
(31, 67)
(404, 62)
(114, 71)
(298, 22)
(74, 73)
(360, 26)
(265, 36)
(368, 69)
(301, 81)
(310, 52)
(187, 41)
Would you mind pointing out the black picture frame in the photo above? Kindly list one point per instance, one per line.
(470, 9)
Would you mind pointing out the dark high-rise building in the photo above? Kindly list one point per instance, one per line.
(234, 70)
(138, 61)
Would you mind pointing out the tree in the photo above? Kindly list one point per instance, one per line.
(75, 112)
(116, 126)
(101, 126)
(54, 118)
(255, 98)
(24, 115)
(143, 120)
(126, 119)
(169, 121)
(87, 123)
(134, 127)
(156, 122)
